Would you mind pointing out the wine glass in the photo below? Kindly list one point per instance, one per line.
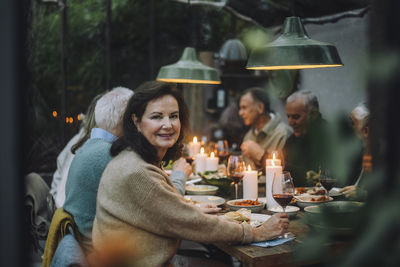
(235, 170)
(283, 189)
(283, 192)
(327, 183)
(222, 150)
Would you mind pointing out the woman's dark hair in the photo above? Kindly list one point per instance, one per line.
(259, 95)
(135, 140)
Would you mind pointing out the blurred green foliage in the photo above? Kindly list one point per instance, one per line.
(85, 51)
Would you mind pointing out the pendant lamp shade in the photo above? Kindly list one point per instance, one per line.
(294, 50)
(188, 70)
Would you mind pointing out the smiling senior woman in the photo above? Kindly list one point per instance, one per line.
(138, 207)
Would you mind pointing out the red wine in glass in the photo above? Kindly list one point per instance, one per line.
(236, 178)
(327, 183)
(283, 192)
(223, 156)
(235, 170)
(283, 199)
(283, 189)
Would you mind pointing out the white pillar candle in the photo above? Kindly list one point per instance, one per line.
(200, 161)
(212, 163)
(271, 171)
(272, 162)
(194, 147)
(250, 184)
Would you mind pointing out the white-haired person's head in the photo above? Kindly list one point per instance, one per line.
(110, 109)
(301, 108)
(309, 100)
(360, 120)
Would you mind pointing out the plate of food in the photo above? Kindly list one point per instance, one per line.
(314, 191)
(252, 204)
(197, 199)
(192, 189)
(246, 216)
(308, 200)
(301, 190)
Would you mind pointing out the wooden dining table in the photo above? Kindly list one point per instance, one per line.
(280, 255)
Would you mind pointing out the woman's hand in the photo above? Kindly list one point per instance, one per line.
(208, 208)
(182, 165)
(274, 227)
(349, 191)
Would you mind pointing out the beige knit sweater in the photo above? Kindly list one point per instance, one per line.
(138, 203)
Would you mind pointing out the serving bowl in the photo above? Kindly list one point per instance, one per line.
(291, 211)
(201, 189)
(253, 208)
(307, 200)
(216, 179)
(338, 217)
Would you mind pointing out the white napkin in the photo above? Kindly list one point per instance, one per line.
(274, 242)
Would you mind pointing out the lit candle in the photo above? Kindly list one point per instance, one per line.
(194, 147)
(212, 163)
(274, 160)
(250, 184)
(273, 168)
(200, 161)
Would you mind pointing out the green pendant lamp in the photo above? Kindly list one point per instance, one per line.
(294, 50)
(188, 70)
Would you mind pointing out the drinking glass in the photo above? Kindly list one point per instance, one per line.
(283, 192)
(283, 189)
(222, 150)
(235, 170)
(327, 183)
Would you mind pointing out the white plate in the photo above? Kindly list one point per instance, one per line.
(206, 199)
(191, 182)
(256, 219)
(290, 210)
(335, 192)
(201, 189)
(193, 176)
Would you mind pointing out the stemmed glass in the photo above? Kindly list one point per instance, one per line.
(222, 150)
(327, 183)
(235, 170)
(283, 189)
(283, 192)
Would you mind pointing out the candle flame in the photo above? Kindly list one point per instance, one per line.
(212, 154)
(249, 167)
(202, 150)
(273, 155)
(195, 139)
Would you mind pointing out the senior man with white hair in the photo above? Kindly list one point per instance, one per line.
(308, 148)
(360, 121)
(91, 160)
